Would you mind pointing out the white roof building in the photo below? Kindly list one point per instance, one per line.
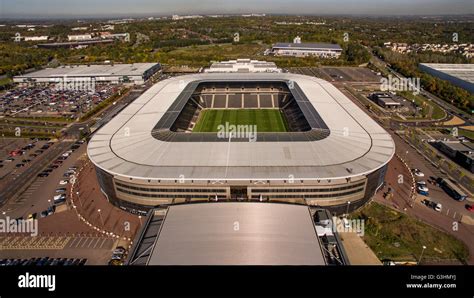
(356, 145)
(243, 65)
(136, 73)
(79, 37)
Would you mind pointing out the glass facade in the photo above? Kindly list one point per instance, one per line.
(126, 194)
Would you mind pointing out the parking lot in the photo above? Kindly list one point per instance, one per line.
(47, 101)
(17, 155)
(49, 188)
(56, 250)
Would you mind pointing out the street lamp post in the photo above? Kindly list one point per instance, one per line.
(347, 208)
(100, 215)
(421, 255)
(140, 218)
(79, 198)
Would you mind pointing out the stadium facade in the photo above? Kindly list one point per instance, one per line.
(333, 154)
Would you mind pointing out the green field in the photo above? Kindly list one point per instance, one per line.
(266, 120)
(396, 236)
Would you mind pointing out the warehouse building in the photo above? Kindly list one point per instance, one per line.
(461, 75)
(137, 73)
(321, 50)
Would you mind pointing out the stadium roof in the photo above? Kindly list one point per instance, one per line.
(136, 69)
(307, 46)
(356, 144)
(242, 233)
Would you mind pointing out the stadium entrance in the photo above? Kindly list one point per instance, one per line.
(238, 192)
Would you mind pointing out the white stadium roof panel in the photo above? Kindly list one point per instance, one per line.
(356, 141)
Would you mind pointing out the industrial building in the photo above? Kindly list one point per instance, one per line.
(137, 73)
(36, 38)
(461, 75)
(321, 50)
(385, 100)
(243, 65)
(79, 37)
(460, 152)
(236, 233)
(74, 44)
(333, 155)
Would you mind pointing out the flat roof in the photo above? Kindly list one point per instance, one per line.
(388, 101)
(356, 144)
(308, 46)
(135, 69)
(238, 233)
(462, 71)
(459, 146)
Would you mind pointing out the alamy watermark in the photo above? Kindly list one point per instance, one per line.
(344, 225)
(75, 84)
(394, 84)
(229, 131)
(35, 281)
(10, 225)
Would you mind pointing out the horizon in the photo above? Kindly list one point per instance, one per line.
(55, 9)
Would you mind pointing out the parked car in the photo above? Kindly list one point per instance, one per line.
(418, 173)
(63, 182)
(432, 204)
(117, 257)
(31, 216)
(51, 210)
(42, 261)
(82, 262)
(68, 262)
(119, 250)
(59, 198)
(422, 190)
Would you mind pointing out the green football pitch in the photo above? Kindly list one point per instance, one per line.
(266, 120)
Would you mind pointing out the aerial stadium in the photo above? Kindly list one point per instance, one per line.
(276, 137)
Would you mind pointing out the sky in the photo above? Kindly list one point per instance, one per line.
(96, 8)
